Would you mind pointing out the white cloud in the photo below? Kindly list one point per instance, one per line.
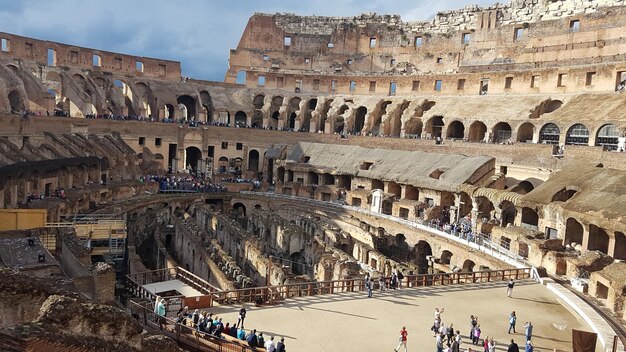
(197, 33)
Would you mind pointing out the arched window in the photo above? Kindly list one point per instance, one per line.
(608, 137)
(577, 135)
(549, 134)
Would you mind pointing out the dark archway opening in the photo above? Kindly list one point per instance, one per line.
(190, 104)
(193, 156)
(477, 132)
(16, 101)
(359, 119)
(456, 130)
(253, 160)
(240, 119)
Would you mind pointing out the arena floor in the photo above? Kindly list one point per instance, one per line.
(353, 322)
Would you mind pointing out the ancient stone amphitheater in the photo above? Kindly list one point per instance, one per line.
(484, 145)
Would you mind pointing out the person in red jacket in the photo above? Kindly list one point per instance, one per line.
(403, 335)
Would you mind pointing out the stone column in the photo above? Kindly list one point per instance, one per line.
(611, 250)
(585, 244)
(475, 220)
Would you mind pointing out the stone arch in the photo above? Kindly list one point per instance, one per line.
(530, 217)
(313, 178)
(339, 123)
(446, 257)
(190, 105)
(241, 119)
(168, 111)
(421, 251)
(393, 125)
(525, 132)
(240, 209)
(455, 130)
(324, 115)
(16, 101)
(359, 119)
(523, 187)
(573, 232)
(305, 119)
(466, 204)
(259, 101)
(377, 119)
(598, 239)
(564, 195)
(468, 265)
(549, 134)
(501, 132)
(434, 126)
(411, 192)
(607, 136)
(193, 156)
(508, 213)
(485, 207)
(414, 127)
(477, 131)
(545, 107)
(620, 246)
(253, 160)
(207, 105)
(394, 189)
(577, 134)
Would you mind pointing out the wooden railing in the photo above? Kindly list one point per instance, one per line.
(273, 294)
(281, 292)
(186, 336)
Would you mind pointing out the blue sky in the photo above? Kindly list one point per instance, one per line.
(198, 33)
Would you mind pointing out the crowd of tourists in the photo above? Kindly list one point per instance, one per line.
(183, 183)
(57, 193)
(206, 323)
(449, 339)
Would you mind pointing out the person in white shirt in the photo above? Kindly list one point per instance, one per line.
(269, 345)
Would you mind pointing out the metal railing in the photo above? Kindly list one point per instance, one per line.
(135, 282)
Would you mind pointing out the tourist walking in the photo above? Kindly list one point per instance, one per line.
(512, 320)
(280, 347)
(439, 343)
(161, 313)
(476, 335)
(242, 316)
(269, 345)
(509, 288)
(156, 308)
(402, 339)
(528, 330)
(473, 323)
(394, 280)
(513, 347)
(529, 346)
(486, 344)
(381, 282)
(492, 346)
(368, 285)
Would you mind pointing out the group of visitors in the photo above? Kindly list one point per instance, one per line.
(204, 322)
(57, 193)
(183, 183)
(255, 183)
(395, 282)
(447, 339)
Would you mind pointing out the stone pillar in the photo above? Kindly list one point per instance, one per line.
(585, 244)
(621, 145)
(611, 251)
(475, 219)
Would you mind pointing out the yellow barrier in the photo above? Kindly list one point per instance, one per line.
(22, 219)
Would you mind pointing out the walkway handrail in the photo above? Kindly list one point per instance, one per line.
(185, 335)
(281, 292)
(479, 243)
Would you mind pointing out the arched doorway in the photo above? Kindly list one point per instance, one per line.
(413, 128)
(549, 134)
(359, 119)
(468, 266)
(190, 106)
(253, 160)
(477, 131)
(222, 165)
(578, 134)
(239, 209)
(573, 232)
(434, 126)
(422, 250)
(598, 239)
(240, 119)
(446, 257)
(525, 132)
(607, 137)
(16, 101)
(292, 121)
(501, 132)
(508, 212)
(456, 130)
(620, 246)
(168, 112)
(193, 156)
